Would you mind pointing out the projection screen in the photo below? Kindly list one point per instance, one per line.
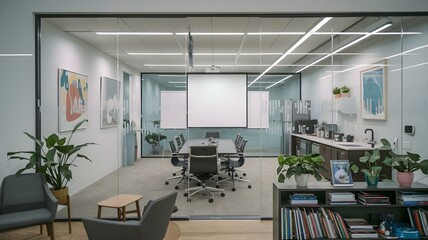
(217, 100)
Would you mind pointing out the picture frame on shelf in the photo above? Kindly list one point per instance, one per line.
(110, 105)
(373, 93)
(341, 173)
(72, 100)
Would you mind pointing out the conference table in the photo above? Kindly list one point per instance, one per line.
(225, 147)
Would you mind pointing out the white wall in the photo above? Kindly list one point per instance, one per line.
(415, 104)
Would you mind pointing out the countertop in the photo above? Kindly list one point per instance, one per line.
(348, 146)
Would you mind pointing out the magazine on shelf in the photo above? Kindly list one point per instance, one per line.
(341, 173)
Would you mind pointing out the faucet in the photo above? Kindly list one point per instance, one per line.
(372, 142)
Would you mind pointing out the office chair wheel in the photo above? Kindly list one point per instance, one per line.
(222, 194)
(174, 174)
(176, 187)
(249, 186)
(236, 175)
(198, 184)
(211, 200)
(189, 200)
(166, 183)
(185, 194)
(233, 189)
(244, 174)
(217, 186)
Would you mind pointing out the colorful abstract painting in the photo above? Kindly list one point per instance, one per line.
(72, 99)
(110, 105)
(373, 93)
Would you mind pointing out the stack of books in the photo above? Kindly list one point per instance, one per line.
(360, 228)
(411, 198)
(303, 199)
(366, 198)
(341, 198)
(419, 219)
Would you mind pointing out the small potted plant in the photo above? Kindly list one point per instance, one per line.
(154, 139)
(336, 92)
(345, 91)
(57, 157)
(301, 167)
(405, 164)
(373, 167)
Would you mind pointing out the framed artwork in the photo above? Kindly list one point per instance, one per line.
(373, 93)
(341, 173)
(72, 99)
(110, 106)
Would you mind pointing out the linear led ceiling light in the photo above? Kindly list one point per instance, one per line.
(385, 24)
(16, 54)
(212, 33)
(297, 44)
(135, 33)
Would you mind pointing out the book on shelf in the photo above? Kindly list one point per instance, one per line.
(341, 173)
(413, 203)
(302, 196)
(303, 202)
(419, 219)
(363, 234)
(357, 223)
(373, 199)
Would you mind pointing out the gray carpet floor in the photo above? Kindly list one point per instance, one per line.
(147, 177)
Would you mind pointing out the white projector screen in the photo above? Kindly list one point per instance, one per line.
(217, 100)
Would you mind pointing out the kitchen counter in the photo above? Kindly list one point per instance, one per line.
(348, 146)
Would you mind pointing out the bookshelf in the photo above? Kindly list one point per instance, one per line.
(282, 191)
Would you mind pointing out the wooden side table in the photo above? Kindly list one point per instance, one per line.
(120, 202)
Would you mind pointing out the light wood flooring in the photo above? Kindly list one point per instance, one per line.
(179, 230)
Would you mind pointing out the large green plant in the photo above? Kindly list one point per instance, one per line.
(297, 165)
(409, 162)
(56, 156)
(154, 138)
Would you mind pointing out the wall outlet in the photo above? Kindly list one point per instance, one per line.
(406, 145)
(395, 142)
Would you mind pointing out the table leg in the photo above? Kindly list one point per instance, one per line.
(124, 214)
(69, 215)
(137, 205)
(99, 212)
(119, 214)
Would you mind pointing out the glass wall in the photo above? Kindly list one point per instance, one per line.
(287, 62)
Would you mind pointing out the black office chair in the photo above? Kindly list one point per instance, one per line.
(232, 166)
(238, 142)
(178, 141)
(237, 139)
(175, 161)
(213, 134)
(183, 140)
(203, 165)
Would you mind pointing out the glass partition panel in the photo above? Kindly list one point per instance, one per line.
(414, 103)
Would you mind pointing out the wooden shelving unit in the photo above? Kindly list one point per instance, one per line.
(281, 192)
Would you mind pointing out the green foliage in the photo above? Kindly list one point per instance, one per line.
(154, 138)
(345, 89)
(372, 162)
(409, 162)
(336, 90)
(309, 164)
(54, 159)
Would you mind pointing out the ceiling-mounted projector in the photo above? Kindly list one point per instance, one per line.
(212, 69)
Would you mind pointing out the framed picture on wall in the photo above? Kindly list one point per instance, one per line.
(72, 99)
(110, 105)
(373, 93)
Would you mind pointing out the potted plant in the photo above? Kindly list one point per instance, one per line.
(345, 91)
(373, 167)
(405, 164)
(154, 139)
(301, 167)
(57, 156)
(336, 92)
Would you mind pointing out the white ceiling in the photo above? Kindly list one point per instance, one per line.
(237, 46)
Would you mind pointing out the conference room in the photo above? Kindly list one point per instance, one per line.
(181, 78)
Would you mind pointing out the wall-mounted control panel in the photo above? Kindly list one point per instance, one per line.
(409, 129)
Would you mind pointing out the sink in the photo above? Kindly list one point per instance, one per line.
(350, 144)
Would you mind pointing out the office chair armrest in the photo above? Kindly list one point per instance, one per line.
(98, 229)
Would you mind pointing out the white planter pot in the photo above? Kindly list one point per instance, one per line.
(302, 180)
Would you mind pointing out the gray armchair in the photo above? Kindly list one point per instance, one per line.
(25, 200)
(152, 226)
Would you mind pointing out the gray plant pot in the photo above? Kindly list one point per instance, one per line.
(156, 149)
